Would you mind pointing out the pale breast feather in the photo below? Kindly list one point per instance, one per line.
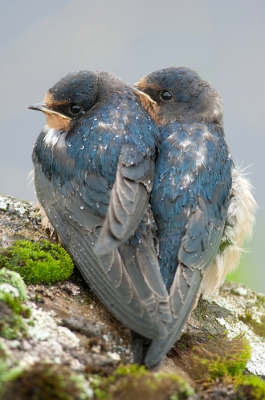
(51, 136)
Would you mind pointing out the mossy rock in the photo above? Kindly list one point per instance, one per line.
(208, 357)
(46, 382)
(12, 314)
(258, 327)
(250, 388)
(134, 382)
(7, 374)
(41, 262)
(14, 279)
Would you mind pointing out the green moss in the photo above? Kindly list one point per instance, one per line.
(6, 375)
(46, 382)
(14, 304)
(134, 382)
(3, 352)
(250, 388)
(37, 262)
(12, 314)
(206, 358)
(12, 309)
(15, 280)
(235, 292)
(258, 327)
(261, 298)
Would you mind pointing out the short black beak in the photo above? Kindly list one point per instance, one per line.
(39, 107)
(45, 108)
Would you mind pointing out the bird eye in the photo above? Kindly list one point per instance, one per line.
(166, 95)
(75, 109)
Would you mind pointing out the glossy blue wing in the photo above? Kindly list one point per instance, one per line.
(73, 177)
(198, 162)
(129, 198)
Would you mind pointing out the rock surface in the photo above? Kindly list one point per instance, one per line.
(70, 326)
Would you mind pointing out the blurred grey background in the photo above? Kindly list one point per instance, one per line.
(224, 41)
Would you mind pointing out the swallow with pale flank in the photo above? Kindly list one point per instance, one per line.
(202, 203)
(94, 170)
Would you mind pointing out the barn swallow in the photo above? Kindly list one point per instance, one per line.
(202, 203)
(94, 164)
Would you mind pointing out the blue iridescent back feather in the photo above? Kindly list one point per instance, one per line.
(93, 148)
(194, 161)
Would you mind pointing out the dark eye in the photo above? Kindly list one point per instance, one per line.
(75, 109)
(166, 95)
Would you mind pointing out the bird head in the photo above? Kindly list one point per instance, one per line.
(69, 99)
(179, 94)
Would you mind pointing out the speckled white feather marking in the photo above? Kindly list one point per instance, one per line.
(238, 228)
(52, 136)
